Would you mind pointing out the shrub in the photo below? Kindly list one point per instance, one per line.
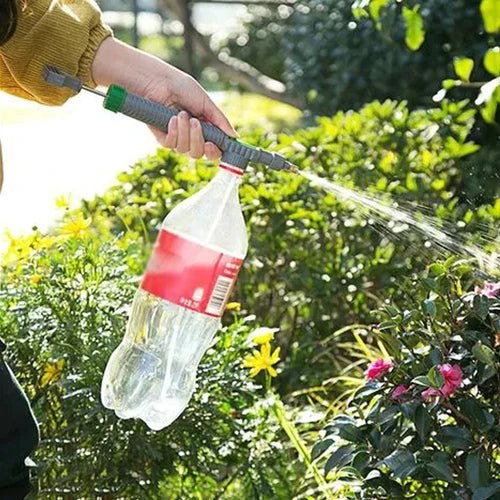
(63, 308)
(315, 262)
(260, 42)
(425, 425)
(315, 265)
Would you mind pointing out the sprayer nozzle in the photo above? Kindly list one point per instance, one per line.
(55, 77)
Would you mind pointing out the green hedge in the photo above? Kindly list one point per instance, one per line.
(315, 263)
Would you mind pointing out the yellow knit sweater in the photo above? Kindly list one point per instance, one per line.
(61, 33)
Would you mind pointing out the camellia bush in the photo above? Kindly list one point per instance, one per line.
(426, 423)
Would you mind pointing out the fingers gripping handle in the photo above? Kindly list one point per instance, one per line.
(156, 114)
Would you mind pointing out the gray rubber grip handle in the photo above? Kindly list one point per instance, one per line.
(158, 115)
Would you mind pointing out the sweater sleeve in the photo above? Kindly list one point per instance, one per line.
(61, 33)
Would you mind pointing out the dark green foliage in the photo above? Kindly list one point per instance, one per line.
(334, 60)
(445, 448)
(341, 62)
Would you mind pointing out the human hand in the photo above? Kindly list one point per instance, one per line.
(154, 79)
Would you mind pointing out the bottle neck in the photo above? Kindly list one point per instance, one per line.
(229, 176)
(227, 167)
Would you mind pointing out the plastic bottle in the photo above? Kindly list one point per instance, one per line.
(176, 311)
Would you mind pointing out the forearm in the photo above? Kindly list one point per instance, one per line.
(121, 64)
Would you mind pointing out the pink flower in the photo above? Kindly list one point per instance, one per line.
(378, 368)
(430, 393)
(399, 391)
(489, 289)
(453, 377)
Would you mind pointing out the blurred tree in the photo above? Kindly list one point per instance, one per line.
(229, 67)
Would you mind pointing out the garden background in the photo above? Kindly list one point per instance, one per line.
(388, 377)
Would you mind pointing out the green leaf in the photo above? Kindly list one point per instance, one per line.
(415, 33)
(456, 437)
(388, 414)
(375, 6)
(481, 306)
(450, 261)
(340, 457)
(386, 325)
(490, 10)
(436, 356)
(391, 311)
(411, 182)
(473, 410)
(477, 470)
(489, 110)
(422, 380)
(441, 469)
(486, 492)
(488, 372)
(401, 462)
(349, 432)
(429, 307)
(361, 461)
(429, 283)
(422, 423)
(484, 353)
(460, 149)
(368, 390)
(462, 269)
(320, 447)
(449, 83)
(463, 67)
(491, 61)
(435, 378)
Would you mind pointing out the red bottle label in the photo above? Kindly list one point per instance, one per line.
(190, 275)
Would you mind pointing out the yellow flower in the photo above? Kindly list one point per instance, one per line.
(35, 279)
(234, 306)
(262, 335)
(19, 249)
(76, 226)
(262, 360)
(22, 247)
(62, 202)
(52, 373)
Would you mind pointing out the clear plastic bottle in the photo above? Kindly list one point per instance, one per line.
(176, 311)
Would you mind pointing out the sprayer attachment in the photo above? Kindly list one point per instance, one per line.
(119, 100)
